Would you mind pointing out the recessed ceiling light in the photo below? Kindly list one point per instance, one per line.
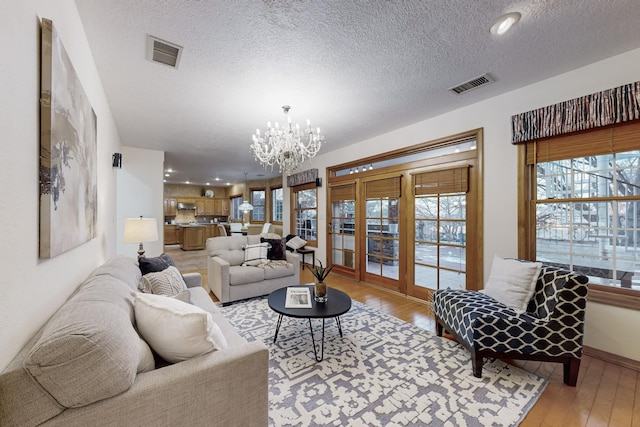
(217, 179)
(167, 175)
(208, 183)
(169, 170)
(187, 182)
(505, 22)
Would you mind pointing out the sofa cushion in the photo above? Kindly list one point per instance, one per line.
(276, 269)
(512, 282)
(276, 250)
(176, 330)
(156, 264)
(240, 275)
(255, 254)
(168, 282)
(121, 267)
(235, 257)
(89, 349)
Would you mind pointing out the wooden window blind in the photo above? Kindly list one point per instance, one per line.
(613, 139)
(380, 188)
(343, 192)
(454, 180)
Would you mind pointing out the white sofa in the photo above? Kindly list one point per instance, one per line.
(230, 281)
(83, 368)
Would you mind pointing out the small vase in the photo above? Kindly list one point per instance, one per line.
(320, 292)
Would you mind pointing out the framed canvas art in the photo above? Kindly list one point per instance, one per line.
(68, 146)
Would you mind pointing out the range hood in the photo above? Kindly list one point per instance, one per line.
(186, 206)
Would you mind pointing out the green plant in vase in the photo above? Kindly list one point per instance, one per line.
(320, 272)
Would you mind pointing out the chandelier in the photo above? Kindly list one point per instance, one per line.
(288, 147)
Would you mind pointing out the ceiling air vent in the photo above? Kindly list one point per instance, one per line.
(472, 84)
(163, 52)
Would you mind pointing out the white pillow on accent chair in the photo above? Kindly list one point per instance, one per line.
(512, 282)
(296, 243)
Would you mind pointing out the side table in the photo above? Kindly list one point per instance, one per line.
(305, 251)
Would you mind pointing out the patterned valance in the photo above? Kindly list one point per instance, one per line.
(620, 104)
(304, 177)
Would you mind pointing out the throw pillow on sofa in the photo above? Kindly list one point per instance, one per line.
(255, 254)
(176, 330)
(512, 282)
(168, 282)
(276, 249)
(156, 264)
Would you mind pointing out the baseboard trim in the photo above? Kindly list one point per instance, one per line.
(612, 358)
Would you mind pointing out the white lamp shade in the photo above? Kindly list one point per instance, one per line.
(140, 230)
(245, 206)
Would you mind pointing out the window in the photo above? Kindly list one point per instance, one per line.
(305, 212)
(258, 202)
(277, 198)
(236, 201)
(585, 204)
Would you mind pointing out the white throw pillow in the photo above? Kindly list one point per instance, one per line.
(176, 330)
(296, 243)
(256, 254)
(512, 282)
(166, 282)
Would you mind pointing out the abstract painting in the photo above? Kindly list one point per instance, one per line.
(68, 146)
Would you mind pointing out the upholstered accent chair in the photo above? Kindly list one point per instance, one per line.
(551, 328)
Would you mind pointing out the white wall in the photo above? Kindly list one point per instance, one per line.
(31, 289)
(139, 192)
(607, 327)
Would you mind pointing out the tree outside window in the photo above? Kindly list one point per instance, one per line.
(305, 212)
(277, 200)
(235, 207)
(258, 202)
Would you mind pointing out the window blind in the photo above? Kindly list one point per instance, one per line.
(454, 180)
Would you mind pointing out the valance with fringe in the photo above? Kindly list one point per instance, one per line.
(617, 105)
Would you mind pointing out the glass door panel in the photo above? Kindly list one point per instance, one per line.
(440, 242)
(342, 233)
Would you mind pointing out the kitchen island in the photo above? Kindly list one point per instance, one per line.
(191, 236)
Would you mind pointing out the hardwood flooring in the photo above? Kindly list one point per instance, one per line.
(606, 394)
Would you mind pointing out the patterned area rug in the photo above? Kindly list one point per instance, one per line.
(382, 372)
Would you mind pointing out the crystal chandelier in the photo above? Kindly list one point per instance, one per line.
(288, 146)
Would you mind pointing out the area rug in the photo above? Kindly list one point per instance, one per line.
(382, 372)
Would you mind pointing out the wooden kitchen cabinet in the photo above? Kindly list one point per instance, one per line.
(221, 207)
(209, 208)
(200, 207)
(170, 235)
(170, 207)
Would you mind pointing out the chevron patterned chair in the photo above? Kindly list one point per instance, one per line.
(551, 329)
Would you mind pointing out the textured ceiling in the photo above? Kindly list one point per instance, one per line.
(355, 68)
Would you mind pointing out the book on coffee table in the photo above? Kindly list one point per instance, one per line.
(298, 297)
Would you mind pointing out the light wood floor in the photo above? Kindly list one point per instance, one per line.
(606, 394)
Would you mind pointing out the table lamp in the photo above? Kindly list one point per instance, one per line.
(140, 230)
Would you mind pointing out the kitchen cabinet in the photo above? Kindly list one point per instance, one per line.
(205, 207)
(221, 207)
(209, 207)
(200, 207)
(170, 207)
(193, 238)
(170, 235)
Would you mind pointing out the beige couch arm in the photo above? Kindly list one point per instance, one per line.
(218, 277)
(227, 387)
(294, 259)
(193, 280)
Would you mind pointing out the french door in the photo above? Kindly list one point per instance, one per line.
(342, 228)
(380, 253)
